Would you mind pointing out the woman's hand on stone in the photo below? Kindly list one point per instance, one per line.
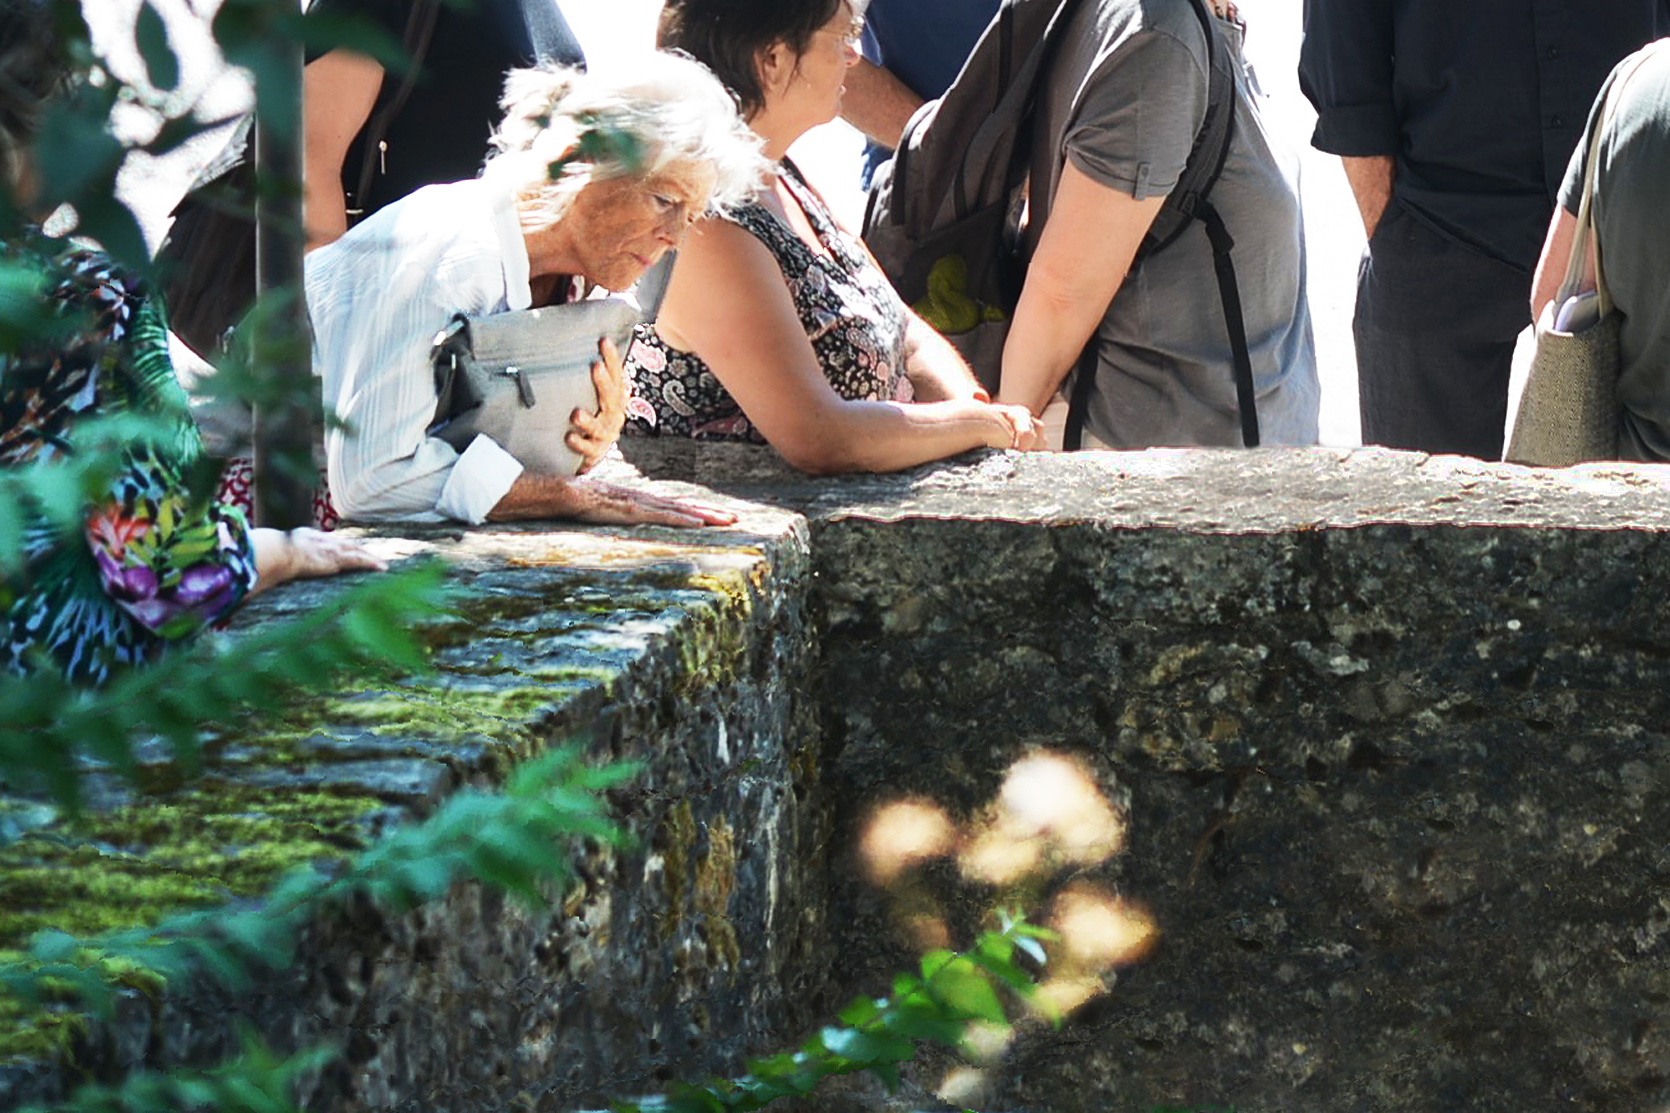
(592, 434)
(591, 500)
(306, 553)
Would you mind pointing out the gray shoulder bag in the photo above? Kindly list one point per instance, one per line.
(517, 376)
(1569, 411)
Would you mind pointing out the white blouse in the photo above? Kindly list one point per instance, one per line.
(376, 298)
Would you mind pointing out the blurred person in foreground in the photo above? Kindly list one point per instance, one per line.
(155, 561)
(517, 238)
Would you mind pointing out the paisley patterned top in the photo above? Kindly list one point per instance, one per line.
(151, 563)
(851, 314)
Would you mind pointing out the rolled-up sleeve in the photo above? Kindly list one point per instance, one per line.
(1345, 70)
(480, 478)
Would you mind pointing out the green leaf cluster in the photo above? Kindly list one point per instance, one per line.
(518, 840)
(951, 992)
(52, 733)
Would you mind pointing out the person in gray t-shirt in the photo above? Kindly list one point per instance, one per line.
(1630, 190)
(1126, 97)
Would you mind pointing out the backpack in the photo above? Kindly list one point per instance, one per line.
(939, 212)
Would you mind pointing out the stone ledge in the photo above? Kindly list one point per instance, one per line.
(1305, 662)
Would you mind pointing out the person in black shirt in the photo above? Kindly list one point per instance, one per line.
(440, 133)
(1455, 119)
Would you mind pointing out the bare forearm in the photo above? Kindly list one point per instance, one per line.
(888, 436)
(877, 103)
(325, 209)
(1371, 184)
(936, 369)
(533, 496)
(338, 92)
(1068, 291)
(1555, 258)
(1050, 329)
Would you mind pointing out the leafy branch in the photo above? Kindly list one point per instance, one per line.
(953, 992)
(512, 840)
(50, 727)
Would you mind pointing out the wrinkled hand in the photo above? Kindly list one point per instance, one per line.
(593, 500)
(592, 433)
(305, 553)
(317, 553)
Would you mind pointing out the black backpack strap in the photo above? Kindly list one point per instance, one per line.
(1210, 149)
(1229, 291)
(420, 29)
(1185, 204)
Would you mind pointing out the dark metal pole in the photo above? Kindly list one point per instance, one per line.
(284, 472)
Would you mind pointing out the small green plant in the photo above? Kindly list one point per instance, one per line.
(939, 1005)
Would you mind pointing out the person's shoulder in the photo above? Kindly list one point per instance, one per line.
(1176, 20)
(1146, 35)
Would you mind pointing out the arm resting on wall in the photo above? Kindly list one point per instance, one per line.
(728, 303)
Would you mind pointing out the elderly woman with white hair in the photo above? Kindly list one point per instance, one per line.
(517, 238)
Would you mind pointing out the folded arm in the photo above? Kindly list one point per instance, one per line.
(728, 303)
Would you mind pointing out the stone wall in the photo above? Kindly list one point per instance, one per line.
(670, 960)
(1386, 735)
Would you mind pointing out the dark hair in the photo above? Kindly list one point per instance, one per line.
(727, 36)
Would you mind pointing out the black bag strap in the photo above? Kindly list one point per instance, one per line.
(420, 30)
(1185, 204)
(1211, 146)
(1229, 291)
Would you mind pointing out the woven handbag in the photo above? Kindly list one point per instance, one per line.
(1569, 410)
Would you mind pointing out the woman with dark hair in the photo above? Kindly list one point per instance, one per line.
(777, 326)
(153, 562)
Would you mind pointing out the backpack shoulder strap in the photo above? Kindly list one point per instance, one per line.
(1188, 202)
(1211, 146)
(961, 150)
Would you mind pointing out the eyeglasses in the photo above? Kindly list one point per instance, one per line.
(852, 36)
